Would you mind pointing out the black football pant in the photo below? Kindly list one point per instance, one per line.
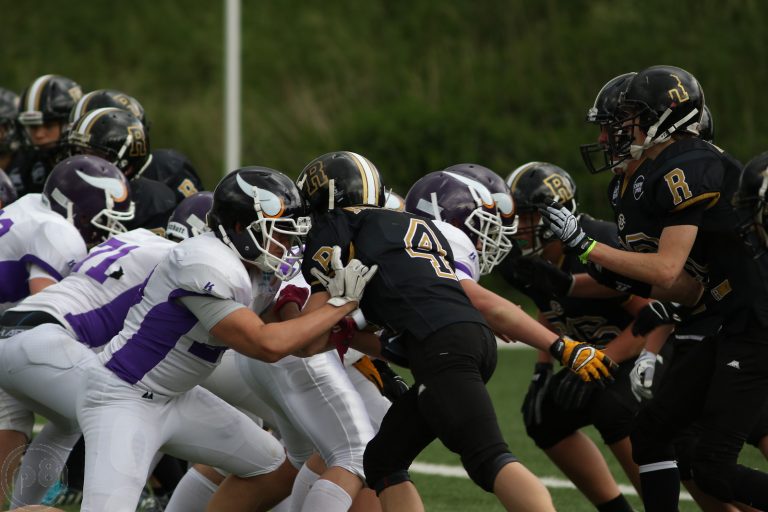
(722, 384)
(449, 401)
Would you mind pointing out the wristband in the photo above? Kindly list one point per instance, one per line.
(584, 257)
(359, 318)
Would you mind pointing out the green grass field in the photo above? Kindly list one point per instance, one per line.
(452, 494)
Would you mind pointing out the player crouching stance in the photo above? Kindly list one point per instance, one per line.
(140, 394)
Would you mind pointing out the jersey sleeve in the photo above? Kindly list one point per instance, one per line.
(465, 258)
(196, 278)
(55, 250)
(210, 310)
(685, 190)
(330, 231)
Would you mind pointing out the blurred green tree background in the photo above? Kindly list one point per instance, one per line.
(414, 85)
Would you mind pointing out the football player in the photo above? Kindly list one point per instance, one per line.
(43, 113)
(167, 166)
(194, 305)
(684, 337)
(676, 220)
(10, 142)
(450, 349)
(43, 236)
(119, 137)
(7, 190)
(556, 407)
(88, 306)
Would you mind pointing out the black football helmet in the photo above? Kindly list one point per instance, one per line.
(7, 190)
(750, 203)
(92, 194)
(707, 126)
(537, 183)
(106, 98)
(49, 98)
(256, 209)
(660, 101)
(466, 203)
(113, 134)
(188, 219)
(9, 111)
(340, 179)
(597, 156)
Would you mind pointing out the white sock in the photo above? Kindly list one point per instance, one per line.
(42, 464)
(301, 486)
(283, 506)
(192, 494)
(328, 497)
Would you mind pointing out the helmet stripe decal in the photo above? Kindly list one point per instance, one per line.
(84, 127)
(483, 193)
(82, 105)
(370, 181)
(115, 187)
(35, 92)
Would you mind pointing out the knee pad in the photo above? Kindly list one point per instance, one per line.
(483, 473)
(382, 466)
(350, 459)
(648, 444)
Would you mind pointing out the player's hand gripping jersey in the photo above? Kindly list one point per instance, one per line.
(163, 347)
(93, 301)
(415, 288)
(34, 242)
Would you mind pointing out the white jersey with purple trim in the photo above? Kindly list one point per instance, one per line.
(163, 348)
(464, 253)
(32, 237)
(93, 301)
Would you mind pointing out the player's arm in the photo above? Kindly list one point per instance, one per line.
(244, 331)
(38, 284)
(585, 287)
(510, 320)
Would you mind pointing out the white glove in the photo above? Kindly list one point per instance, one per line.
(333, 284)
(347, 283)
(641, 376)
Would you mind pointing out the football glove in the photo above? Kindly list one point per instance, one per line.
(656, 314)
(347, 284)
(587, 361)
(394, 385)
(641, 376)
(537, 390)
(291, 294)
(536, 273)
(392, 348)
(565, 226)
(572, 393)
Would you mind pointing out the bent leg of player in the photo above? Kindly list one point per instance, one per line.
(739, 388)
(42, 464)
(316, 396)
(39, 368)
(449, 400)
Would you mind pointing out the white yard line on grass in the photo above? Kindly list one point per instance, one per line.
(550, 481)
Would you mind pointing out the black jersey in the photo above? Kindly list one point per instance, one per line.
(172, 168)
(154, 202)
(30, 168)
(415, 288)
(594, 320)
(693, 182)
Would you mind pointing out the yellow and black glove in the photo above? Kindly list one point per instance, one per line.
(590, 363)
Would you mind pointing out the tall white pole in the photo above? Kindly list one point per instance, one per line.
(232, 98)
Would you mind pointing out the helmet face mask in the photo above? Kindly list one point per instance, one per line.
(601, 156)
(467, 204)
(258, 212)
(534, 184)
